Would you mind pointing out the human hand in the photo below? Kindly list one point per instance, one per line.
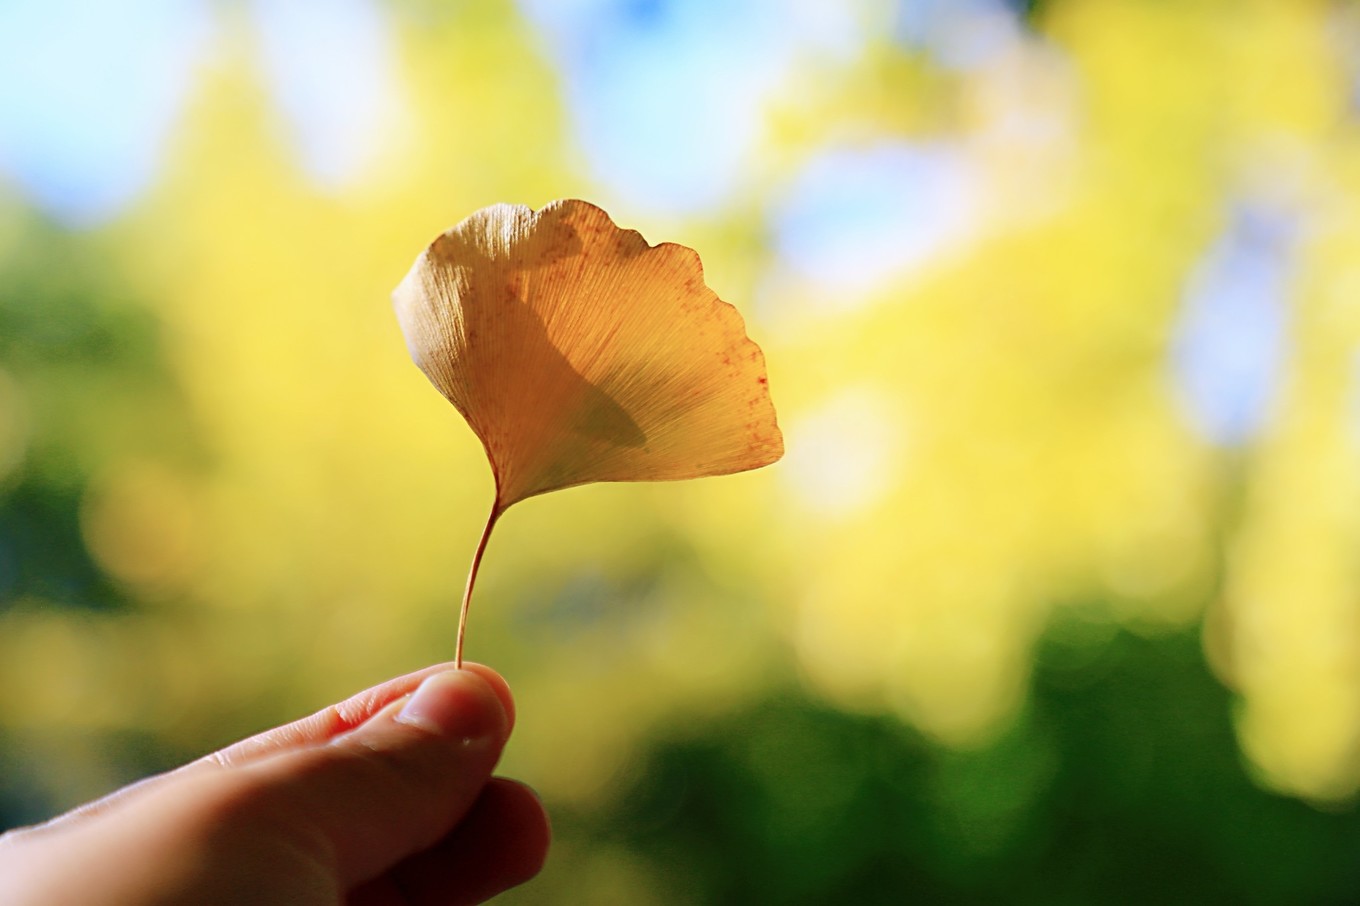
(384, 799)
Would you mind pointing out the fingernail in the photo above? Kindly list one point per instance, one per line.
(456, 703)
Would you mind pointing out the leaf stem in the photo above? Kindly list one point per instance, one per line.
(496, 510)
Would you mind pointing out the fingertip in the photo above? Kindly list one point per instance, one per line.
(459, 704)
(498, 685)
(523, 815)
(502, 843)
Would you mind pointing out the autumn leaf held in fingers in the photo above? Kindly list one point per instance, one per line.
(579, 353)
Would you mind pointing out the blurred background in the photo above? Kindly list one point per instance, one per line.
(1055, 597)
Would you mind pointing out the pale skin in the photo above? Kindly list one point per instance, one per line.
(386, 798)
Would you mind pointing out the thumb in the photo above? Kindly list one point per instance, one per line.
(392, 787)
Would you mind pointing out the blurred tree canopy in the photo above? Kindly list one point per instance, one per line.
(1054, 598)
(1111, 787)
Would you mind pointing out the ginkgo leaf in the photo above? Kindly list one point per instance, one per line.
(579, 353)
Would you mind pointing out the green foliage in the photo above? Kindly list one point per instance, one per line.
(80, 353)
(1120, 783)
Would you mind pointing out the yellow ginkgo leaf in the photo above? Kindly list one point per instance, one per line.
(578, 353)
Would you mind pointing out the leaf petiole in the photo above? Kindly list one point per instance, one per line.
(496, 511)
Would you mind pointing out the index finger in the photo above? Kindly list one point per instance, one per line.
(315, 729)
(334, 720)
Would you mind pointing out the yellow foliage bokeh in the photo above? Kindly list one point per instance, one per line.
(973, 442)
